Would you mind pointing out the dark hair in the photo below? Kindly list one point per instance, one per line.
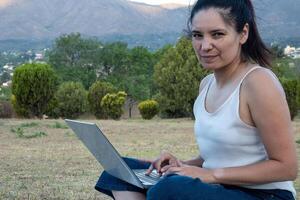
(238, 13)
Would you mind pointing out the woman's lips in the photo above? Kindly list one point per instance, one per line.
(208, 58)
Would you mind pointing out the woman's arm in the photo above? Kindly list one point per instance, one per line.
(270, 114)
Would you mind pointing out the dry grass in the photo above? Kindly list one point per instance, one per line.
(58, 166)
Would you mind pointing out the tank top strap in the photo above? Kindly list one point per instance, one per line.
(211, 79)
(208, 84)
(248, 72)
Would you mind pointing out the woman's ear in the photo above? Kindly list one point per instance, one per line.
(244, 34)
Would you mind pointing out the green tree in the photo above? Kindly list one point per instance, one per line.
(134, 75)
(177, 76)
(158, 54)
(33, 86)
(286, 68)
(298, 97)
(288, 71)
(291, 88)
(72, 99)
(113, 57)
(140, 73)
(96, 92)
(75, 58)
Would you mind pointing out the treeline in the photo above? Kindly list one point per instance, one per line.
(90, 74)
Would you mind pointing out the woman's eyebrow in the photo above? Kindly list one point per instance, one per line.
(218, 30)
(196, 31)
(211, 31)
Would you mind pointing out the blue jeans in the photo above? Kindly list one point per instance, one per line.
(175, 187)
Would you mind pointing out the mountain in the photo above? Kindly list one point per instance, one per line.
(44, 20)
(278, 19)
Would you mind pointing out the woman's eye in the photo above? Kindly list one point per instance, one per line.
(218, 34)
(196, 35)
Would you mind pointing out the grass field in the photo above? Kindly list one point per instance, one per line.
(43, 159)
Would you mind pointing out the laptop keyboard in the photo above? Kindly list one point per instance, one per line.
(150, 179)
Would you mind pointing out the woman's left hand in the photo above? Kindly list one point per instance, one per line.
(205, 175)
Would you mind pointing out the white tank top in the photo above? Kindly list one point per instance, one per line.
(225, 140)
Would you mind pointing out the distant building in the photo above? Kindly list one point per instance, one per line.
(288, 50)
(7, 84)
(8, 67)
(292, 52)
(38, 56)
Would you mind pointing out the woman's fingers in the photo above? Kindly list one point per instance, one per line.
(150, 169)
(173, 170)
(165, 159)
(165, 168)
(173, 163)
(154, 165)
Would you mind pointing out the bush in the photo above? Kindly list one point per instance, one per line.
(6, 109)
(96, 92)
(148, 109)
(33, 86)
(72, 99)
(292, 93)
(52, 110)
(20, 111)
(177, 76)
(112, 104)
(20, 133)
(298, 98)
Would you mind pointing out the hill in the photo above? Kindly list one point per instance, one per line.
(35, 21)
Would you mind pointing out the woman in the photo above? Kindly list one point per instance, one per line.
(242, 125)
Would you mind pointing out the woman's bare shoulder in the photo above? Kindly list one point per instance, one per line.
(262, 80)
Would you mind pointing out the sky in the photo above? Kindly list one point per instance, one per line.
(157, 2)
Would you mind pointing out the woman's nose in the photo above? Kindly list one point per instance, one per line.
(206, 45)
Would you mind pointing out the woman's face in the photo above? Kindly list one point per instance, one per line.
(216, 43)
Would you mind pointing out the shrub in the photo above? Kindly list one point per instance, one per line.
(6, 109)
(177, 77)
(33, 85)
(72, 99)
(20, 133)
(96, 92)
(291, 91)
(21, 111)
(148, 109)
(112, 104)
(52, 110)
(298, 98)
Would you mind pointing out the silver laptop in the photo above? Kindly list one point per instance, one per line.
(96, 142)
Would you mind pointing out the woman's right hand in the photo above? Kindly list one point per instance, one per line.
(164, 161)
